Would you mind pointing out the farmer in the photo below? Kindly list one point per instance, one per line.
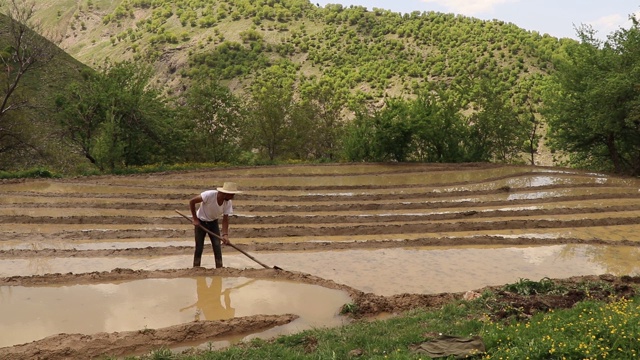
(214, 204)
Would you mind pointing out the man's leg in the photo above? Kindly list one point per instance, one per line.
(215, 243)
(199, 237)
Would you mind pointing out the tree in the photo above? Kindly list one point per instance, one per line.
(317, 123)
(116, 119)
(214, 117)
(440, 132)
(496, 132)
(593, 104)
(393, 131)
(270, 113)
(358, 138)
(271, 110)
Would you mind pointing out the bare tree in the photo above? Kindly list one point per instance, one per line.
(23, 50)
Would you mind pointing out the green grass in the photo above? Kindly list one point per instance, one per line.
(589, 330)
(30, 173)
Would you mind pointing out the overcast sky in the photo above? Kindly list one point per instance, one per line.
(554, 17)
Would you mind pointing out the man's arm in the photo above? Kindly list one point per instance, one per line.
(192, 207)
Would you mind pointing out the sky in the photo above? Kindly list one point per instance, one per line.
(557, 18)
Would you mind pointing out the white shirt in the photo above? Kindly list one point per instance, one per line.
(209, 209)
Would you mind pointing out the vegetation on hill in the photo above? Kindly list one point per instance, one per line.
(287, 80)
(28, 82)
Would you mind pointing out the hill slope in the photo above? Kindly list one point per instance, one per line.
(27, 129)
(371, 54)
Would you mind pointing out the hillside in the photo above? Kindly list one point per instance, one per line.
(28, 133)
(372, 54)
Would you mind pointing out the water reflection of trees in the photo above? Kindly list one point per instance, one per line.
(617, 260)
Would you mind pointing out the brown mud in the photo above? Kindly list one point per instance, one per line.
(310, 208)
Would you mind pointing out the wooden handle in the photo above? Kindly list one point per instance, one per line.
(230, 244)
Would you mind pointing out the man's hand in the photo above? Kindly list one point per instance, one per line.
(225, 239)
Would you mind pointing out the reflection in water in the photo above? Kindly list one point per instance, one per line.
(209, 303)
(617, 260)
(29, 313)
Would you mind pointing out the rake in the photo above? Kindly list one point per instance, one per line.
(230, 244)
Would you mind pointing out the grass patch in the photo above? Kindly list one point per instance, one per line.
(30, 173)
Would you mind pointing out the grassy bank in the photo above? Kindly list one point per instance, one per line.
(599, 327)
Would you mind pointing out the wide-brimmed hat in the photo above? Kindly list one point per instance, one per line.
(229, 188)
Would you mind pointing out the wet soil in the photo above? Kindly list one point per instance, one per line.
(310, 208)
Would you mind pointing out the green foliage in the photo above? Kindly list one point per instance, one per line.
(350, 308)
(593, 105)
(212, 122)
(228, 60)
(270, 119)
(418, 82)
(434, 128)
(496, 132)
(440, 130)
(357, 139)
(30, 173)
(529, 287)
(116, 120)
(590, 329)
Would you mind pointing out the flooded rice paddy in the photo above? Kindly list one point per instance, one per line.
(115, 247)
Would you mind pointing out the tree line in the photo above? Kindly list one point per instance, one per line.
(114, 117)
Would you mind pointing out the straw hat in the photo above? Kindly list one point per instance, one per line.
(229, 188)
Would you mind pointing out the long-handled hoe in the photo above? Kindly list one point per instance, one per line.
(233, 246)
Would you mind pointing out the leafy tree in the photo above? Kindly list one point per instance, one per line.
(393, 131)
(379, 134)
(214, 118)
(116, 119)
(270, 112)
(593, 106)
(358, 138)
(317, 122)
(496, 132)
(440, 131)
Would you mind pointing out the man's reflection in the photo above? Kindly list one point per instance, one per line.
(209, 306)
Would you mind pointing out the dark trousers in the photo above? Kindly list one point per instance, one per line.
(215, 242)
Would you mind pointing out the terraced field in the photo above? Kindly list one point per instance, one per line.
(388, 237)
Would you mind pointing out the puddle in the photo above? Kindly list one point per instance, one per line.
(31, 313)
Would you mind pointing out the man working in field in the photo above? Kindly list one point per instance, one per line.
(213, 205)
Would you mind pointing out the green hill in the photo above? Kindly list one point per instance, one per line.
(370, 53)
(358, 57)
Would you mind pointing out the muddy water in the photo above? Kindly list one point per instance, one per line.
(53, 187)
(36, 242)
(31, 313)
(388, 271)
(436, 270)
